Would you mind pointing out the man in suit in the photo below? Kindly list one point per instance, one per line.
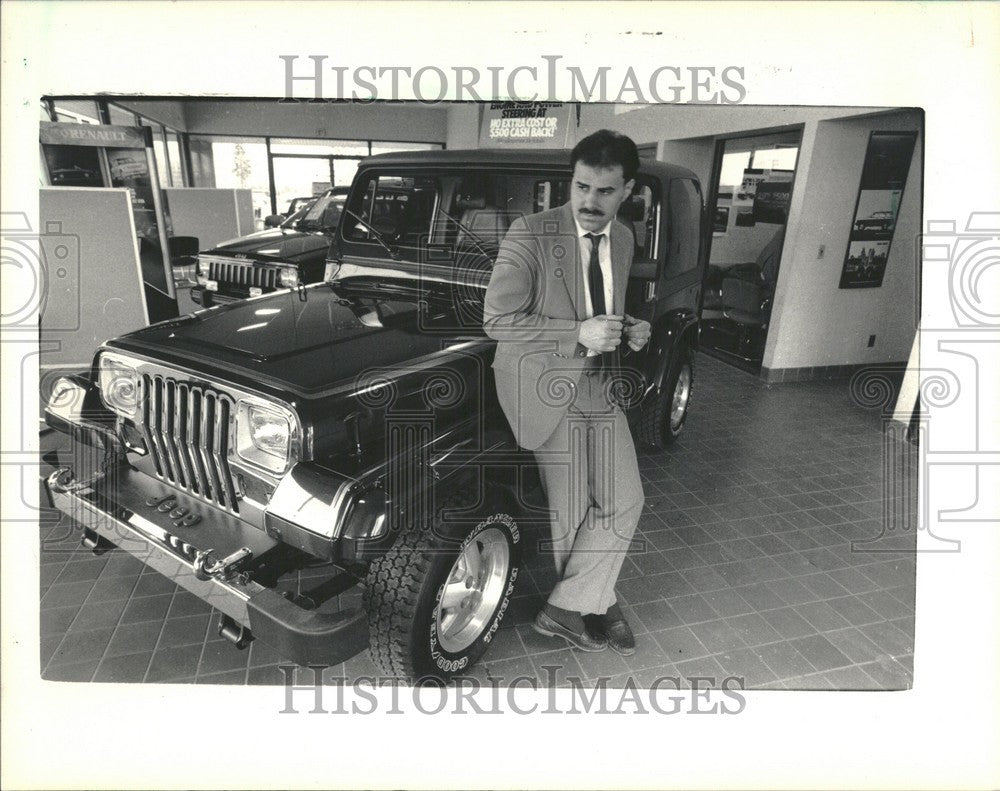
(555, 304)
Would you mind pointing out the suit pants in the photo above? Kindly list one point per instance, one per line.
(590, 476)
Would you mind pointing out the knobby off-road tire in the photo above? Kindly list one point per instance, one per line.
(660, 420)
(419, 594)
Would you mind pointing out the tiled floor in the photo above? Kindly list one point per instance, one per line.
(744, 566)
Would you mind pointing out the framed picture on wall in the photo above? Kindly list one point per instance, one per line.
(880, 194)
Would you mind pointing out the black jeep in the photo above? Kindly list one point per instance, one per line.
(347, 432)
(280, 257)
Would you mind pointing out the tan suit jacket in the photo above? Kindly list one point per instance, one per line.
(534, 306)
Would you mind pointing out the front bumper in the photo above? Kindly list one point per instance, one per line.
(127, 514)
(202, 296)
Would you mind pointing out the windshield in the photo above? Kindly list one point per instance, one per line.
(324, 214)
(298, 214)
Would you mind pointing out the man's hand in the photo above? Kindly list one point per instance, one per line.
(602, 333)
(637, 332)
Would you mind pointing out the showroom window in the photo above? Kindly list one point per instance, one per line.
(77, 111)
(309, 147)
(174, 161)
(120, 116)
(202, 161)
(234, 163)
(159, 151)
(284, 170)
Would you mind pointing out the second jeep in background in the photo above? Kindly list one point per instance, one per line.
(281, 257)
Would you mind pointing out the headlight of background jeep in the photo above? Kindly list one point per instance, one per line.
(119, 385)
(288, 277)
(264, 435)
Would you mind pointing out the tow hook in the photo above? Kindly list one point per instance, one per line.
(205, 568)
(235, 633)
(63, 478)
(94, 542)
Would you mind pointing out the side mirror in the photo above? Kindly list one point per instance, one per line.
(273, 220)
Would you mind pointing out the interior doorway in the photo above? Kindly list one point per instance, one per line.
(752, 185)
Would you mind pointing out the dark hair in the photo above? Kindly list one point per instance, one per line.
(605, 149)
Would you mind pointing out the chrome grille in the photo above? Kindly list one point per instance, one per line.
(243, 273)
(187, 429)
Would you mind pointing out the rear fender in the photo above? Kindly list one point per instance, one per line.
(674, 333)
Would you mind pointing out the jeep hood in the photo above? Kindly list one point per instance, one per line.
(306, 342)
(278, 245)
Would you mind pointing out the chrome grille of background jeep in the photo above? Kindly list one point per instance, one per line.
(187, 429)
(242, 273)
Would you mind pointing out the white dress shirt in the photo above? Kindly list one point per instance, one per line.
(604, 256)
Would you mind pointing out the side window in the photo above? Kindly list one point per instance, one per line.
(639, 214)
(445, 218)
(550, 193)
(684, 227)
(397, 208)
(480, 206)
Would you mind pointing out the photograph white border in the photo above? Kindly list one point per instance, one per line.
(942, 733)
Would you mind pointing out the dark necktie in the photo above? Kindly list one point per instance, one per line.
(609, 360)
(595, 276)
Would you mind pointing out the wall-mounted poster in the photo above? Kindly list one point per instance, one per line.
(130, 170)
(865, 264)
(73, 166)
(528, 125)
(880, 194)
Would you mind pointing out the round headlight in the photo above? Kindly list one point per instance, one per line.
(119, 385)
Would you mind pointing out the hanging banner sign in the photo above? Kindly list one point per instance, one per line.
(101, 136)
(528, 125)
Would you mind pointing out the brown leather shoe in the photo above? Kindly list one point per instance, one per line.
(549, 627)
(615, 630)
